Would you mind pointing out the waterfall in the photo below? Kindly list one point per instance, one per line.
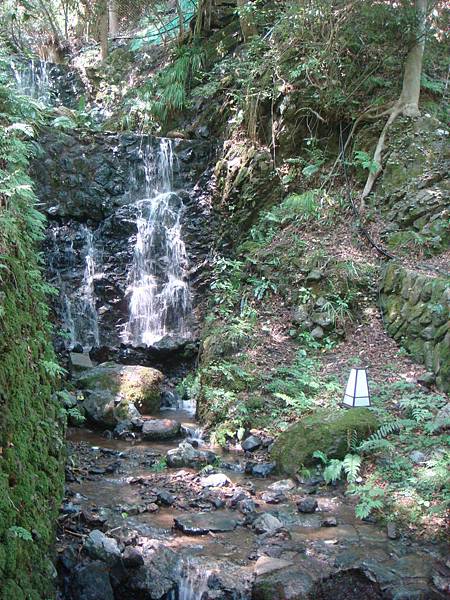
(193, 582)
(32, 79)
(158, 291)
(77, 300)
(88, 300)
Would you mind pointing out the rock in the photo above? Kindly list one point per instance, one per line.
(160, 429)
(307, 505)
(392, 532)
(267, 564)
(202, 523)
(80, 361)
(417, 457)
(325, 430)
(112, 392)
(295, 582)
(284, 485)
(442, 420)
(314, 275)
(132, 557)
(329, 522)
(273, 497)
(98, 546)
(266, 523)
(91, 582)
(185, 455)
(156, 578)
(427, 379)
(246, 506)
(252, 443)
(263, 469)
(317, 333)
(216, 480)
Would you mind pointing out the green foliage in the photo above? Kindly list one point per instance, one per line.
(364, 160)
(75, 417)
(21, 533)
(159, 466)
(350, 465)
(167, 94)
(370, 498)
(31, 427)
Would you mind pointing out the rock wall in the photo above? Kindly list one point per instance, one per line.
(87, 185)
(416, 311)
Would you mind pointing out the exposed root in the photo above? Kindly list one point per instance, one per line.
(377, 156)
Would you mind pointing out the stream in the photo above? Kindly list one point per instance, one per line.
(132, 528)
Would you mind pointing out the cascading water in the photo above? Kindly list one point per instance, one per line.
(159, 296)
(88, 300)
(32, 79)
(77, 302)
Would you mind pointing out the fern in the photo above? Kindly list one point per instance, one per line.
(352, 465)
(377, 440)
(333, 470)
(21, 533)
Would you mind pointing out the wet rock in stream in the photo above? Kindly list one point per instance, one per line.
(202, 523)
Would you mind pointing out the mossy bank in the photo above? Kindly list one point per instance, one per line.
(31, 421)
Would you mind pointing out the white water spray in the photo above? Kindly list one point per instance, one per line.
(159, 296)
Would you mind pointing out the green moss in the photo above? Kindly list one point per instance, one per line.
(31, 429)
(130, 384)
(326, 430)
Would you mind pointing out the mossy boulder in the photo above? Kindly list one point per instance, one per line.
(114, 393)
(326, 430)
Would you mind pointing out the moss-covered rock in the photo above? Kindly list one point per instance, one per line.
(326, 430)
(114, 393)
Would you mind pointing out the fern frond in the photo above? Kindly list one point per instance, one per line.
(351, 465)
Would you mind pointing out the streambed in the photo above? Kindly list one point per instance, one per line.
(171, 535)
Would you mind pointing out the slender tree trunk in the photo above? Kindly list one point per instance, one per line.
(408, 102)
(180, 19)
(103, 29)
(113, 18)
(248, 27)
(409, 98)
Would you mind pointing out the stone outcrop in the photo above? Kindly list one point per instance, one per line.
(114, 393)
(416, 312)
(326, 430)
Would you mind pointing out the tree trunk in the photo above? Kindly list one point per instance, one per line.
(180, 19)
(408, 102)
(248, 27)
(113, 18)
(409, 98)
(103, 29)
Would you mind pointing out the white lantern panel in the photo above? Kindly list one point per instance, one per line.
(350, 389)
(362, 401)
(362, 389)
(357, 389)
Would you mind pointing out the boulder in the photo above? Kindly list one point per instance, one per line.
(252, 443)
(263, 469)
(326, 430)
(307, 505)
(215, 480)
(160, 429)
(185, 455)
(115, 393)
(91, 582)
(267, 523)
(99, 546)
(202, 523)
